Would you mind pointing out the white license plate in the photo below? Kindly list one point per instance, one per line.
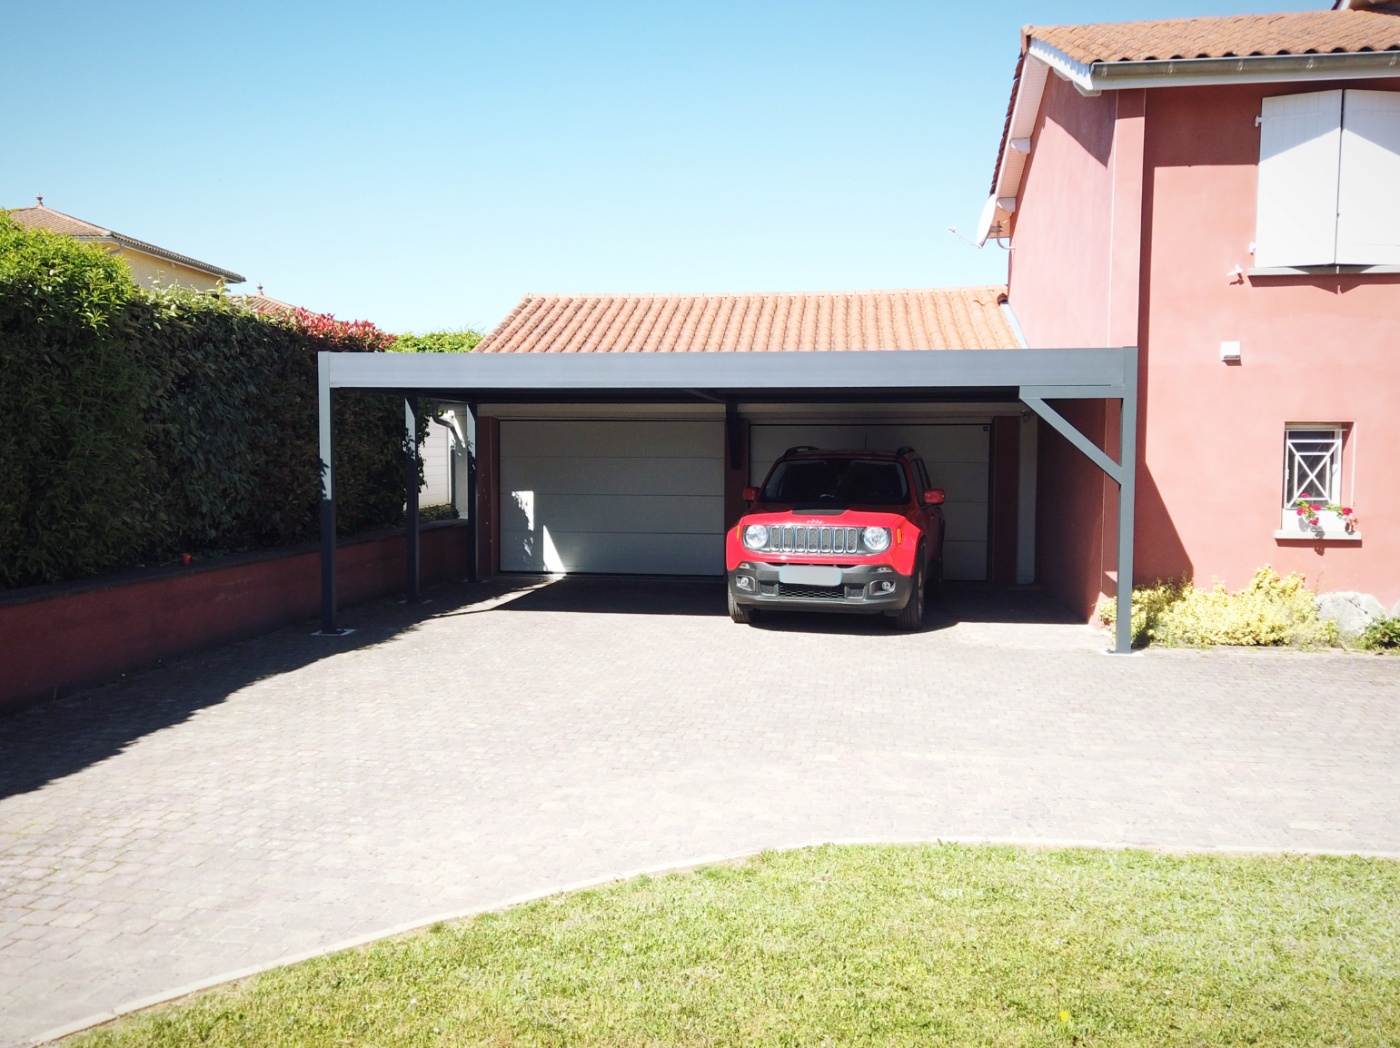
(809, 575)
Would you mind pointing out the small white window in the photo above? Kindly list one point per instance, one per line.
(1312, 473)
(1326, 162)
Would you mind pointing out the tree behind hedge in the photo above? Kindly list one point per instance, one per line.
(137, 426)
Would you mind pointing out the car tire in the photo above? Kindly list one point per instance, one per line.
(911, 616)
(742, 613)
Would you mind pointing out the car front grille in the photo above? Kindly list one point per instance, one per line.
(794, 538)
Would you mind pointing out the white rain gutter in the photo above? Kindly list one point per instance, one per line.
(1092, 79)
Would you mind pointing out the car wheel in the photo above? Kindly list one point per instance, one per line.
(742, 613)
(911, 616)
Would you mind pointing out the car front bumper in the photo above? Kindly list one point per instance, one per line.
(858, 588)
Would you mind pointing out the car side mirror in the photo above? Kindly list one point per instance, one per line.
(933, 497)
(750, 494)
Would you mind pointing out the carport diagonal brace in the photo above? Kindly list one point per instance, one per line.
(1035, 376)
(1123, 472)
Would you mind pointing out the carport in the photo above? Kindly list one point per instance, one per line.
(1029, 377)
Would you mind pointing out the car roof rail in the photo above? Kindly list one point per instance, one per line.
(800, 447)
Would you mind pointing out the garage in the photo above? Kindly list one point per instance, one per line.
(621, 433)
(629, 495)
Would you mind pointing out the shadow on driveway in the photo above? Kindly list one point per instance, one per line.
(62, 736)
(57, 737)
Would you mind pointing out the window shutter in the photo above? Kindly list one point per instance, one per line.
(1299, 153)
(1368, 222)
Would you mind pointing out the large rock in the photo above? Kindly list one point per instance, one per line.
(1352, 612)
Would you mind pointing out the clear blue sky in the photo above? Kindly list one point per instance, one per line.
(423, 165)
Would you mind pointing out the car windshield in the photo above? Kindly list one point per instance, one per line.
(833, 482)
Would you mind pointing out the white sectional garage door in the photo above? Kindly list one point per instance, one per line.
(612, 496)
(957, 457)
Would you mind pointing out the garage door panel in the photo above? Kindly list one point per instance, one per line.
(965, 522)
(591, 438)
(964, 560)
(960, 481)
(624, 496)
(597, 475)
(638, 553)
(614, 514)
(766, 443)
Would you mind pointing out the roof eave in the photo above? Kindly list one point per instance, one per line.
(226, 275)
(1246, 69)
(1091, 79)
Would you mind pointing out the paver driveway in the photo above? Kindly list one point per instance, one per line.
(293, 792)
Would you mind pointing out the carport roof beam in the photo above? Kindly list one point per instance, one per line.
(593, 376)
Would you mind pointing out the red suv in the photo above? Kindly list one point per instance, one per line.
(856, 531)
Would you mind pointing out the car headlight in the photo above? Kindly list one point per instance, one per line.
(876, 540)
(756, 536)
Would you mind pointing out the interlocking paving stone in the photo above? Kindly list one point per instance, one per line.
(293, 792)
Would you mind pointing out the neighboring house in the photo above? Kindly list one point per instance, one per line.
(1220, 192)
(150, 266)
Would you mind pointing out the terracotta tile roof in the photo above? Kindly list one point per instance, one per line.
(1296, 33)
(41, 217)
(260, 303)
(953, 318)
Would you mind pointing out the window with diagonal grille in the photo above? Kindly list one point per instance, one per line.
(1312, 465)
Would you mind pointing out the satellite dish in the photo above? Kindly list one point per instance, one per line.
(984, 224)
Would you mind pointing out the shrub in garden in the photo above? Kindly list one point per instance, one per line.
(1270, 610)
(463, 340)
(1382, 635)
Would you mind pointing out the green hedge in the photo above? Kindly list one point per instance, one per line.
(135, 426)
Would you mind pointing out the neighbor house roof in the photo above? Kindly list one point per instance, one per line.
(1295, 33)
(41, 217)
(1362, 41)
(260, 303)
(954, 318)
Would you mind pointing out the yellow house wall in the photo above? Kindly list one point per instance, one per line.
(152, 272)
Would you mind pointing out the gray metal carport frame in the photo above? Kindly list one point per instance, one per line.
(1030, 376)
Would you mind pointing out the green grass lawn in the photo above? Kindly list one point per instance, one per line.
(945, 944)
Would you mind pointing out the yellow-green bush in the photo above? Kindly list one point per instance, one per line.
(1270, 610)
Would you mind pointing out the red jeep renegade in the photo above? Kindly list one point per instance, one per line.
(857, 531)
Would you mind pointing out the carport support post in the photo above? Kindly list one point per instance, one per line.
(410, 492)
(1127, 496)
(325, 419)
(473, 516)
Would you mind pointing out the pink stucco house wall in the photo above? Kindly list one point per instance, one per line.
(1129, 190)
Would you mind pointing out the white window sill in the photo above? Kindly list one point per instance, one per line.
(1328, 270)
(1311, 536)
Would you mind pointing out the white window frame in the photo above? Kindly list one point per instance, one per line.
(1327, 160)
(1301, 480)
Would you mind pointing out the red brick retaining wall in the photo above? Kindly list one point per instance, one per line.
(63, 636)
